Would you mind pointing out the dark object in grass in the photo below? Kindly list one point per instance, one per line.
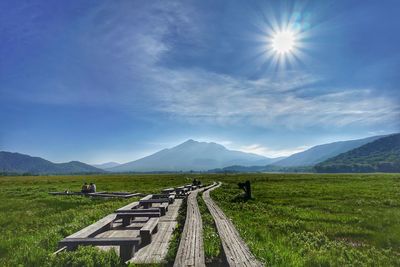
(247, 189)
(196, 182)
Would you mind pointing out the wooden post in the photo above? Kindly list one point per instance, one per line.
(126, 221)
(126, 252)
(246, 188)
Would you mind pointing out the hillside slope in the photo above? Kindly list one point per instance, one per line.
(382, 155)
(323, 152)
(21, 163)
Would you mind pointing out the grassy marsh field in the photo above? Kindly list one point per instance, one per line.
(293, 220)
(317, 220)
(32, 221)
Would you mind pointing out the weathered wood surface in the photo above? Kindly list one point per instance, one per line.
(236, 251)
(101, 225)
(114, 195)
(168, 190)
(101, 241)
(191, 248)
(98, 194)
(148, 229)
(157, 250)
(130, 206)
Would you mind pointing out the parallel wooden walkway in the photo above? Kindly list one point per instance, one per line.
(191, 249)
(157, 250)
(236, 251)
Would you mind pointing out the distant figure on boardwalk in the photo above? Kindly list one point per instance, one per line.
(85, 188)
(92, 188)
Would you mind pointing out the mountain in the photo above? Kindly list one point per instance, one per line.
(106, 165)
(320, 153)
(192, 155)
(20, 163)
(382, 155)
(268, 168)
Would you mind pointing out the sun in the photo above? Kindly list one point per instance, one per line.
(284, 42)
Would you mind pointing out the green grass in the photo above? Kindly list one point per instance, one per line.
(293, 220)
(317, 220)
(211, 240)
(32, 221)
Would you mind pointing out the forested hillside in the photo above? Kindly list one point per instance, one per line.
(382, 155)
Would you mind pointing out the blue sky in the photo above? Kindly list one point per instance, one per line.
(104, 81)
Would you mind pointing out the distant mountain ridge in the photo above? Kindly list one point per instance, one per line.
(192, 156)
(381, 155)
(320, 153)
(21, 163)
(106, 165)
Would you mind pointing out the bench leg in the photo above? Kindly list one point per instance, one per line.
(162, 211)
(146, 238)
(126, 221)
(126, 252)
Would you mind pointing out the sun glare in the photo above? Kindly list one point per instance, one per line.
(284, 42)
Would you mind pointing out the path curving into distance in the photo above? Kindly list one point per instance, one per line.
(236, 251)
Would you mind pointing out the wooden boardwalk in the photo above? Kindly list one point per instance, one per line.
(157, 250)
(236, 251)
(191, 249)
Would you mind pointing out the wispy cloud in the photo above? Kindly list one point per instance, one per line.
(269, 152)
(199, 96)
(131, 48)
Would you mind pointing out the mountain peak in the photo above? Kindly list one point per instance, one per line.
(192, 155)
(190, 141)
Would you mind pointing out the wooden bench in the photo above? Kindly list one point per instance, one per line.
(128, 216)
(168, 190)
(151, 227)
(147, 203)
(113, 194)
(127, 245)
(171, 197)
(188, 186)
(129, 207)
(96, 228)
(146, 197)
(163, 208)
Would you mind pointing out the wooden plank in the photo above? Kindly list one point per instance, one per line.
(157, 250)
(127, 217)
(117, 241)
(236, 251)
(147, 197)
(191, 248)
(130, 206)
(167, 190)
(154, 209)
(156, 200)
(148, 229)
(95, 228)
